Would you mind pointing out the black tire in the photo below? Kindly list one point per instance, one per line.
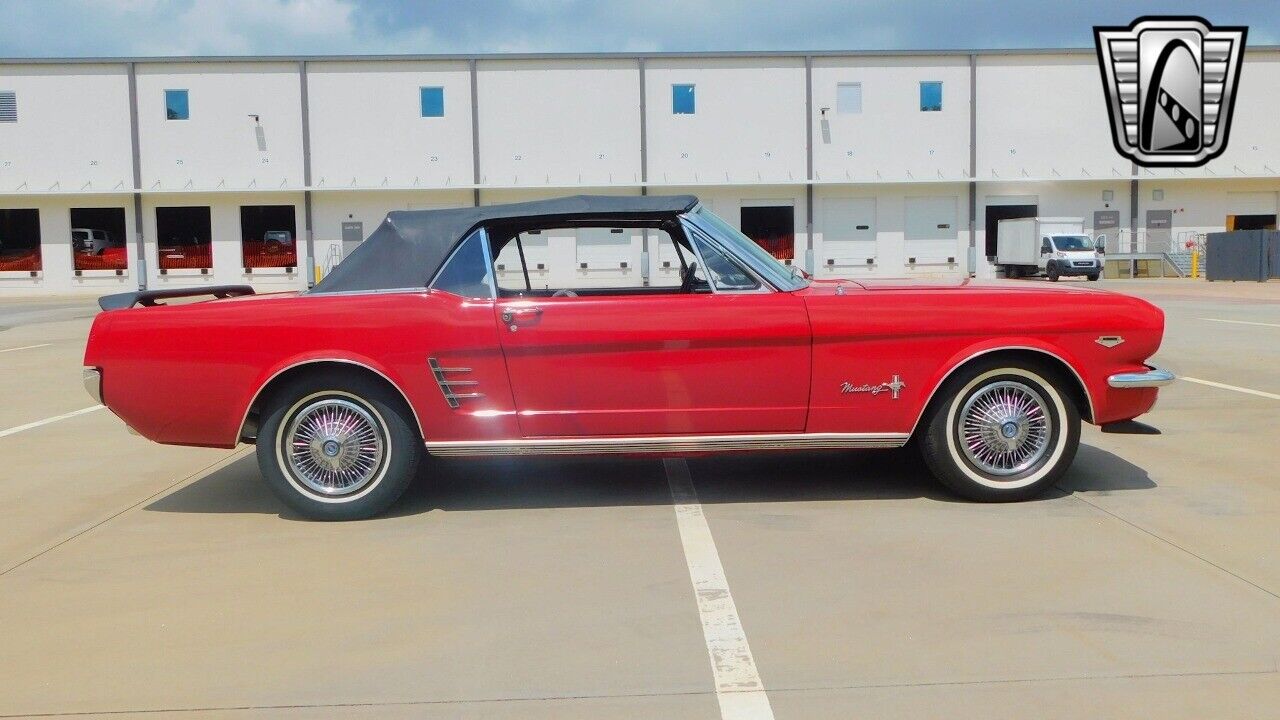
(1094, 277)
(1051, 272)
(388, 426)
(1013, 272)
(942, 444)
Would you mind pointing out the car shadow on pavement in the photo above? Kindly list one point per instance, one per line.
(1098, 471)
(520, 483)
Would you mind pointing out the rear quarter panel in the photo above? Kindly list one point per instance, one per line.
(923, 334)
(186, 374)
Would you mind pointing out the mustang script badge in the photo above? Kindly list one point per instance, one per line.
(1171, 87)
(895, 387)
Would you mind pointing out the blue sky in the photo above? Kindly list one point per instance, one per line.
(64, 28)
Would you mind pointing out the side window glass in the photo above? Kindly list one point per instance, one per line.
(1044, 245)
(588, 260)
(466, 273)
(510, 271)
(721, 270)
(666, 263)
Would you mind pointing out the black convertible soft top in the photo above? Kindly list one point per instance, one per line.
(408, 247)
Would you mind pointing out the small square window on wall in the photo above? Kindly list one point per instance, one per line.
(930, 96)
(682, 100)
(176, 106)
(8, 106)
(432, 99)
(849, 98)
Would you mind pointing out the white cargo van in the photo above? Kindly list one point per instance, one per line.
(1053, 246)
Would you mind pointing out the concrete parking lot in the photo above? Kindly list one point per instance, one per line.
(142, 579)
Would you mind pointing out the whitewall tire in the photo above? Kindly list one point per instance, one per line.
(335, 446)
(1001, 431)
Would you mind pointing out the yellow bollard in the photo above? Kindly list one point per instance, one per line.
(1195, 263)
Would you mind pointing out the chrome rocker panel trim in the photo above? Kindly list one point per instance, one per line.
(670, 444)
(1155, 377)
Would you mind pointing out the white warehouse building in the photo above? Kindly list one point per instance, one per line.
(121, 173)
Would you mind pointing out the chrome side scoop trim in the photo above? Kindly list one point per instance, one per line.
(448, 386)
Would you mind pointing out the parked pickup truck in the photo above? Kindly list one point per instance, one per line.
(1052, 246)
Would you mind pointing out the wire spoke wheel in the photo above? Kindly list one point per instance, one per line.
(334, 446)
(1005, 428)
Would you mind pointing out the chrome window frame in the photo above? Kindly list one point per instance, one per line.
(690, 230)
(690, 219)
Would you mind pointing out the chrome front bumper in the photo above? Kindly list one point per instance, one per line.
(92, 378)
(1154, 377)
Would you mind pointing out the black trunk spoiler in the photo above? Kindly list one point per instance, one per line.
(147, 298)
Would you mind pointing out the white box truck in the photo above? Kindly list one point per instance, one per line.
(1053, 246)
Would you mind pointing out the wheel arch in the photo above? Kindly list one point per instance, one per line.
(248, 428)
(1074, 383)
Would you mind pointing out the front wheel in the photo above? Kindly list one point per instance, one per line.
(1094, 277)
(334, 446)
(1001, 431)
(1052, 273)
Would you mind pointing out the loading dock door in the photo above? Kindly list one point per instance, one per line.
(848, 233)
(1251, 222)
(996, 213)
(930, 226)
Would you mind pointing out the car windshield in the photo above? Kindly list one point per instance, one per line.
(1072, 242)
(747, 249)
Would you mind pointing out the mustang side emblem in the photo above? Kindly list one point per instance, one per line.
(895, 386)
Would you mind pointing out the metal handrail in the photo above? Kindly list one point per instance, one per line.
(331, 258)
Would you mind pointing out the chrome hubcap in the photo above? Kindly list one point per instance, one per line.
(1005, 428)
(334, 446)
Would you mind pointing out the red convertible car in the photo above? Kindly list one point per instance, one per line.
(467, 333)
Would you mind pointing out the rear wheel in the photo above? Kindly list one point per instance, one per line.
(335, 446)
(1001, 431)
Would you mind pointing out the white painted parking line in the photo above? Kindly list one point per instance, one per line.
(46, 421)
(738, 687)
(1242, 322)
(25, 347)
(1224, 386)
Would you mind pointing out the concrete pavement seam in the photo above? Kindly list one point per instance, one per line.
(234, 456)
(1172, 544)
(624, 696)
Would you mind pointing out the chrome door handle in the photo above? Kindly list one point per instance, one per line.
(510, 315)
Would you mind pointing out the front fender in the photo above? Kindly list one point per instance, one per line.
(982, 348)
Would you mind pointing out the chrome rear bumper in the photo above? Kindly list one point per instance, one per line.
(92, 378)
(1154, 377)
